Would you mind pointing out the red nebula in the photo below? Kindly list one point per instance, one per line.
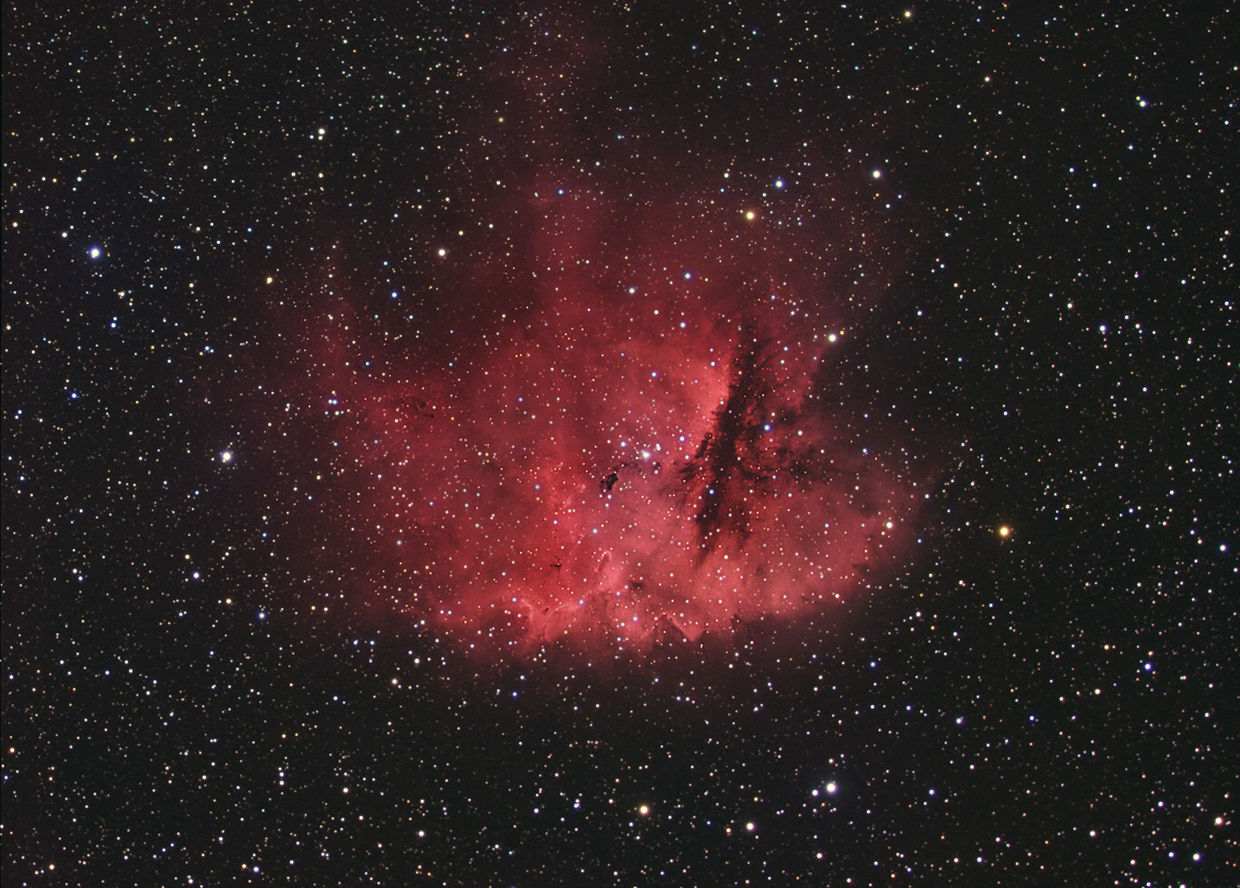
(634, 451)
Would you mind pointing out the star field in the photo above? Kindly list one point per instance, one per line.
(625, 444)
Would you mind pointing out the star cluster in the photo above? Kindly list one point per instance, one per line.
(538, 444)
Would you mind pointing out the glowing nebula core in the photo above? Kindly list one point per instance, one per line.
(628, 445)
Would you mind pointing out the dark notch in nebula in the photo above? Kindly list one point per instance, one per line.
(731, 458)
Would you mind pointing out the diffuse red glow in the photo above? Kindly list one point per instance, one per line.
(626, 464)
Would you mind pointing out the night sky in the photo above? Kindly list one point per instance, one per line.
(619, 444)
